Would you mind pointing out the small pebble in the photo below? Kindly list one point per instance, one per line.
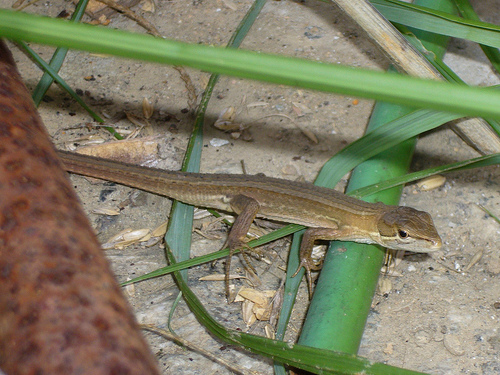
(453, 344)
(217, 142)
(313, 32)
(422, 338)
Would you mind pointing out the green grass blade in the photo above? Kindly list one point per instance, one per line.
(466, 10)
(479, 162)
(303, 357)
(438, 22)
(394, 88)
(57, 58)
(181, 265)
(490, 213)
(379, 140)
(53, 74)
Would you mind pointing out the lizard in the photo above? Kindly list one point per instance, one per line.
(328, 214)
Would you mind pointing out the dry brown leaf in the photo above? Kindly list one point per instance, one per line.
(270, 332)
(300, 109)
(384, 285)
(253, 295)
(475, 258)
(225, 121)
(230, 4)
(430, 183)
(135, 151)
(106, 211)
(149, 6)
(262, 313)
(95, 6)
(160, 230)
(147, 108)
(309, 134)
(247, 312)
(127, 237)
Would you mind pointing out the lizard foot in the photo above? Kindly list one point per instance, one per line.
(309, 266)
(244, 250)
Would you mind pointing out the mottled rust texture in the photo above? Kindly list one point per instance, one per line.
(61, 311)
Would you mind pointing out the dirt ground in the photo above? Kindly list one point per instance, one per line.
(435, 316)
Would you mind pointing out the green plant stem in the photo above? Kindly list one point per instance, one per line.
(342, 299)
(350, 272)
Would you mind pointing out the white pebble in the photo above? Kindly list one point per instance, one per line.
(217, 142)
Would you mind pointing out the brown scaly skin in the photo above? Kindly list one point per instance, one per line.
(329, 214)
(61, 311)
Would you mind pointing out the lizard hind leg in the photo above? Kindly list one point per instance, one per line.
(246, 208)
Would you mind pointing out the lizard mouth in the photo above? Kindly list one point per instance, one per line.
(435, 244)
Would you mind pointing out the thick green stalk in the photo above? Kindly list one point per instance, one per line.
(342, 299)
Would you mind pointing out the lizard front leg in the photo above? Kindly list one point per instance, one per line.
(310, 236)
(246, 208)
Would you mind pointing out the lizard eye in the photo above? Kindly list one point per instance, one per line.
(403, 233)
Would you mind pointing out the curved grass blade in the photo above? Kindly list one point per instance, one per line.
(439, 22)
(479, 162)
(303, 357)
(379, 140)
(466, 10)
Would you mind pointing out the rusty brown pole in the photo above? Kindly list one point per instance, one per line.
(61, 310)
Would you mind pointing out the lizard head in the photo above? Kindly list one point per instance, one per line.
(404, 228)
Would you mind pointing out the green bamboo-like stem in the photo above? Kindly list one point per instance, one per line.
(342, 299)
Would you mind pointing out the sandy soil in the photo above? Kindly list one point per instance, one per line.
(433, 317)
